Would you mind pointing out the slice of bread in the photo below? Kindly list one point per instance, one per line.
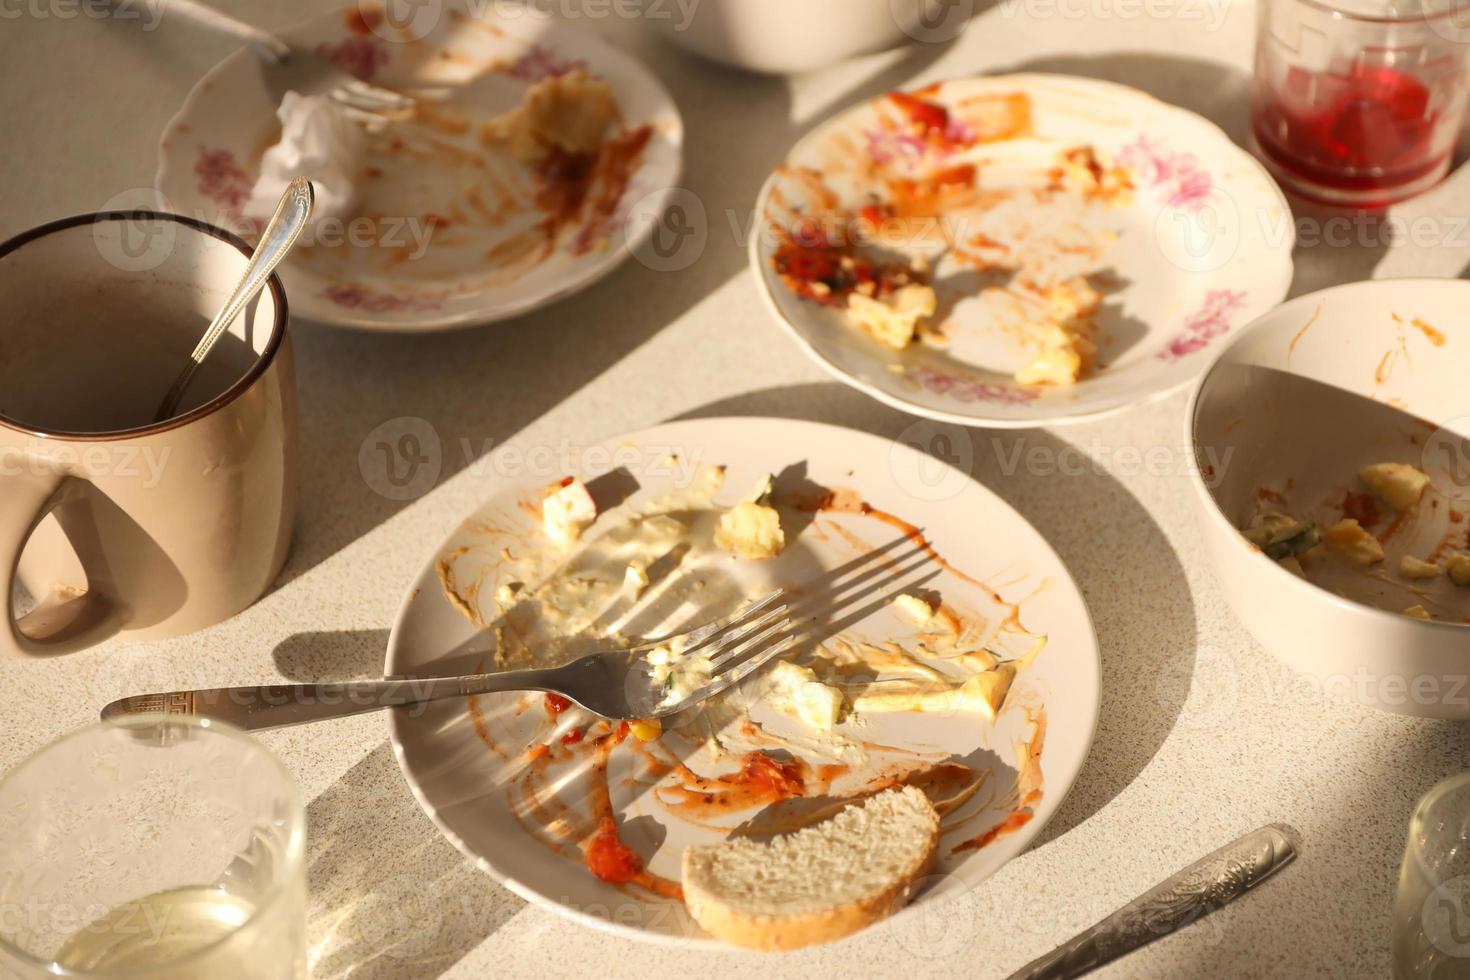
(820, 883)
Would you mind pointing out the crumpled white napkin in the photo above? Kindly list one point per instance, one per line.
(318, 142)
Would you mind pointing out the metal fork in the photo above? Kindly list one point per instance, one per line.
(618, 684)
(300, 70)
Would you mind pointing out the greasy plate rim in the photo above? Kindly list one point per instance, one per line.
(410, 322)
(978, 418)
(1060, 782)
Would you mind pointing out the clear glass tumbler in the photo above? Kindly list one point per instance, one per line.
(1431, 918)
(1359, 103)
(161, 847)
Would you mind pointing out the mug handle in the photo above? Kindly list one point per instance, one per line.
(53, 627)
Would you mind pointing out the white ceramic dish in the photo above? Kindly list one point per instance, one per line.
(454, 222)
(1321, 386)
(1203, 247)
(475, 793)
(778, 36)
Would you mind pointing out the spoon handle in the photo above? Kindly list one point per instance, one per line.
(280, 234)
(217, 20)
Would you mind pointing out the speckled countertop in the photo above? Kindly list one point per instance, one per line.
(1202, 735)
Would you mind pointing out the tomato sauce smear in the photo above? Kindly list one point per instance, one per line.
(609, 858)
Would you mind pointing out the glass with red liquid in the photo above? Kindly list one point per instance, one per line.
(1359, 103)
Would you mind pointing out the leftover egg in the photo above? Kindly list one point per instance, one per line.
(1398, 483)
(1348, 539)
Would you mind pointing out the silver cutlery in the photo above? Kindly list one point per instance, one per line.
(298, 70)
(276, 240)
(618, 684)
(1187, 897)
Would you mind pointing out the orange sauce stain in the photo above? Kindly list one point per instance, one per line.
(1291, 347)
(761, 779)
(361, 20)
(1361, 507)
(1385, 366)
(1394, 527)
(1435, 336)
(1012, 823)
(477, 721)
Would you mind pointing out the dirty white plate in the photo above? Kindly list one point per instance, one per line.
(446, 228)
(469, 765)
(1202, 247)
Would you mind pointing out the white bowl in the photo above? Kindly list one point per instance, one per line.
(1310, 393)
(780, 36)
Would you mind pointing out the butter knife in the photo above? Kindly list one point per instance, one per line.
(1187, 897)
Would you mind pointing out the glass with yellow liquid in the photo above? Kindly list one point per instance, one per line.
(159, 847)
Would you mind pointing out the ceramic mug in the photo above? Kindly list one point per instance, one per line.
(113, 522)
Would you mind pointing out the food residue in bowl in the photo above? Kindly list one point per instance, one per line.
(1368, 543)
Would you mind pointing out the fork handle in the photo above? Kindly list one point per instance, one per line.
(221, 22)
(257, 708)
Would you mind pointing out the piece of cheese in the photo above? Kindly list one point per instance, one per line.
(895, 319)
(570, 112)
(796, 691)
(1418, 612)
(984, 693)
(1411, 567)
(1059, 363)
(1398, 483)
(1066, 335)
(913, 608)
(635, 578)
(1458, 565)
(567, 512)
(1348, 539)
(751, 531)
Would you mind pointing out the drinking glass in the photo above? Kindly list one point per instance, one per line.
(1431, 918)
(152, 846)
(1359, 103)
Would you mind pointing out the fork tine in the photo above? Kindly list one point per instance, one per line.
(354, 103)
(698, 636)
(730, 643)
(735, 675)
(373, 95)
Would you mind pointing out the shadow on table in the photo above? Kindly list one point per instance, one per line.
(1333, 247)
(385, 419)
(378, 908)
(1145, 622)
(1295, 924)
(328, 656)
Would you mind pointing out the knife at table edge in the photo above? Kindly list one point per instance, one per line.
(1204, 886)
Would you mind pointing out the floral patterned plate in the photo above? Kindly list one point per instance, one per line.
(448, 229)
(1002, 187)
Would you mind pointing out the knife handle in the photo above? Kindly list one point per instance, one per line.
(1190, 895)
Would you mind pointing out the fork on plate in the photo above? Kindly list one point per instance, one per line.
(301, 70)
(618, 684)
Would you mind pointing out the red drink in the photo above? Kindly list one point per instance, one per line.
(1355, 110)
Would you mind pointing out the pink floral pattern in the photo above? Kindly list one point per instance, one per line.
(964, 389)
(1211, 321)
(542, 62)
(220, 178)
(884, 146)
(1178, 176)
(360, 57)
(355, 297)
